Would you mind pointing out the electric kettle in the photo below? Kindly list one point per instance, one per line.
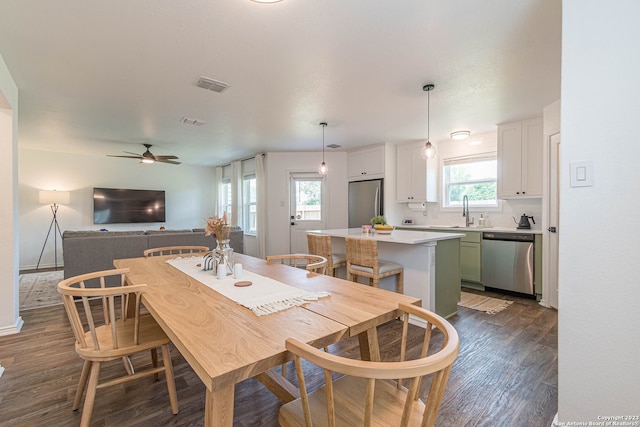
(524, 223)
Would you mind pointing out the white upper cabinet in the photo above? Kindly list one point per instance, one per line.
(366, 164)
(414, 181)
(520, 159)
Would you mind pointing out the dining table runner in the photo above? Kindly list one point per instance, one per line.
(264, 296)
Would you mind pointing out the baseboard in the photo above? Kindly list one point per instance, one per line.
(555, 423)
(13, 329)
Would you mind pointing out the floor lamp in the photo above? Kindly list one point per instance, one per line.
(54, 199)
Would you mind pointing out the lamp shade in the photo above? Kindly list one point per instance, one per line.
(53, 197)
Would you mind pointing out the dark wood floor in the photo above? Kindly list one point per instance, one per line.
(505, 375)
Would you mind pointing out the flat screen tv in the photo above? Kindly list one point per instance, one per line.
(118, 206)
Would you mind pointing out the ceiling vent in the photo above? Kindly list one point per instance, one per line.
(190, 121)
(210, 84)
(334, 146)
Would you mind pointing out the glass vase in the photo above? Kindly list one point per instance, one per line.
(225, 253)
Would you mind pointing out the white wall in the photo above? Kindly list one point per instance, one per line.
(278, 167)
(10, 321)
(189, 199)
(599, 320)
(436, 215)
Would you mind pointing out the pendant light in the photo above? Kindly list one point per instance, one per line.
(428, 151)
(323, 166)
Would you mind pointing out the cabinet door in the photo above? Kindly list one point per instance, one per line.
(366, 164)
(509, 160)
(470, 262)
(403, 173)
(532, 135)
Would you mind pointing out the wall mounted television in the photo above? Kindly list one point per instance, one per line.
(119, 206)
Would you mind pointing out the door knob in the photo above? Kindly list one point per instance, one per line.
(552, 229)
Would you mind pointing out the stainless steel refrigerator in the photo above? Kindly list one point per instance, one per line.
(365, 201)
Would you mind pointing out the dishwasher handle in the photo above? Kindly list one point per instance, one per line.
(508, 237)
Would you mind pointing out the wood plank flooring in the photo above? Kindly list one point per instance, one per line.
(505, 375)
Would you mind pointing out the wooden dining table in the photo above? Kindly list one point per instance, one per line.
(226, 343)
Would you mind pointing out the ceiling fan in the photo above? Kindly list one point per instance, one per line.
(148, 157)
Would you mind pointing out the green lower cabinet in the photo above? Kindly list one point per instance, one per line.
(470, 262)
(447, 277)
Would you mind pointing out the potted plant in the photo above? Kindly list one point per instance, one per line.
(380, 219)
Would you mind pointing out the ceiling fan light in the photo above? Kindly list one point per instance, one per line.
(428, 151)
(147, 161)
(460, 135)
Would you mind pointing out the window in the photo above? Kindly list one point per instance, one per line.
(226, 197)
(308, 199)
(250, 211)
(474, 177)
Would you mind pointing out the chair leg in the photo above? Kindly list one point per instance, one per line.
(154, 361)
(400, 284)
(375, 282)
(168, 373)
(87, 409)
(284, 370)
(82, 384)
(349, 275)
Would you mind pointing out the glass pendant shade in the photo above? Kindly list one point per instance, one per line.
(428, 151)
(323, 169)
(323, 166)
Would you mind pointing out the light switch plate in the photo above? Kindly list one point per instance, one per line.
(581, 173)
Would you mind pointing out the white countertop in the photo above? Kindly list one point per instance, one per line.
(471, 228)
(396, 236)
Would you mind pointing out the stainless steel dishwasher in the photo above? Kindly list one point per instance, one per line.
(507, 262)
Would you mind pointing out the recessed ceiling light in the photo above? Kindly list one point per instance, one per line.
(461, 134)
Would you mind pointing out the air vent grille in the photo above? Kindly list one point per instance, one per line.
(211, 84)
(190, 121)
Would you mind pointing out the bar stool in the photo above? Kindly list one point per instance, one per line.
(321, 245)
(362, 260)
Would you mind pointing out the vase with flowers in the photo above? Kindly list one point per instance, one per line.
(220, 229)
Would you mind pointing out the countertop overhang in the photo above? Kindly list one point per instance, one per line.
(408, 237)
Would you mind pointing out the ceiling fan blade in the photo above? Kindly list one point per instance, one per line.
(135, 154)
(167, 161)
(158, 158)
(125, 157)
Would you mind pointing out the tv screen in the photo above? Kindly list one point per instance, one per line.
(117, 206)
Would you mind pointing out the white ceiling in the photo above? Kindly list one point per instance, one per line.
(105, 76)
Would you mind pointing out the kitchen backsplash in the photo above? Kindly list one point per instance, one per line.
(504, 218)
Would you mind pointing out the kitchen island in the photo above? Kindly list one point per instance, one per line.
(431, 263)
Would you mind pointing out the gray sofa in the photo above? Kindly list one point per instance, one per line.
(88, 251)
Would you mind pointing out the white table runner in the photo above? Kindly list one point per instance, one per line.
(264, 296)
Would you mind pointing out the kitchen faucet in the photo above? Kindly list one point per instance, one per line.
(465, 211)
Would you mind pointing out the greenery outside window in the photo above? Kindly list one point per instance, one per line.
(474, 177)
(250, 204)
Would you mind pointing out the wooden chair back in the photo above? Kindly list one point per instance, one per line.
(114, 308)
(312, 263)
(376, 393)
(176, 250)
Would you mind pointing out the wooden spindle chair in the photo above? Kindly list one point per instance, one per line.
(373, 393)
(105, 330)
(176, 250)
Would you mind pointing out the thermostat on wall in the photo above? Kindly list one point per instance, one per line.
(407, 221)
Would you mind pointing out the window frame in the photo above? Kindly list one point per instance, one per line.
(444, 206)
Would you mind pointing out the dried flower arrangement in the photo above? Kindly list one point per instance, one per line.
(219, 227)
